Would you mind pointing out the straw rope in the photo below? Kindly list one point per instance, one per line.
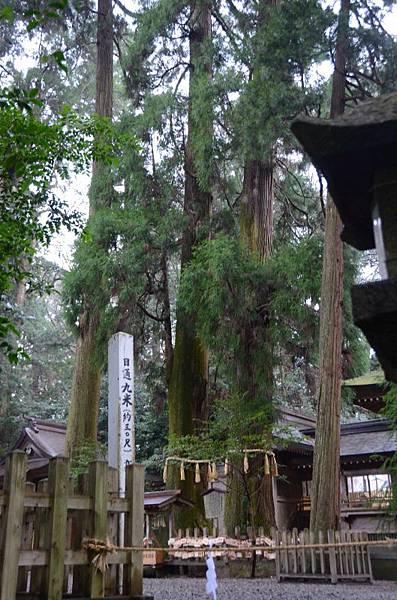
(100, 546)
(100, 549)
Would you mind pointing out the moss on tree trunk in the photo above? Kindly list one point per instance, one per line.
(256, 232)
(187, 394)
(84, 403)
(84, 406)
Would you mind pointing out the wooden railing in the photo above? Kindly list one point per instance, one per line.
(355, 500)
(334, 555)
(43, 530)
(375, 501)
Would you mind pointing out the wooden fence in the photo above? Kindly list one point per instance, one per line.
(335, 555)
(43, 529)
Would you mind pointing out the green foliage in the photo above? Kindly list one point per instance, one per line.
(373, 50)
(86, 453)
(152, 417)
(279, 46)
(234, 425)
(32, 154)
(38, 386)
(153, 21)
(117, 264)
(227, 290)
(297, 269)
(37, 16)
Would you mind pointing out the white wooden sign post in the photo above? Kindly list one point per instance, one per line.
(121, 408)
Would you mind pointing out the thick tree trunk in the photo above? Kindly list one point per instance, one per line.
(325, 511)
(84, 404)
(167, 336)
(187, 394)
(256, 231)
(256, 217)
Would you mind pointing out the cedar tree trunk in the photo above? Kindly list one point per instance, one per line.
(325, 510)
(187, 393)
(256, 230)
(84, 404)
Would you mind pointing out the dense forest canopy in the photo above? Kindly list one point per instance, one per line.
(205, 234)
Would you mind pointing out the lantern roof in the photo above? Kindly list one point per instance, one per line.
(348, 150)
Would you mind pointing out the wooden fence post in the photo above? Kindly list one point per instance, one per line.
(38, 578)
(58, 485)
(97, 478)
(113, 523)
(332, 557)
(276, 538)
(80, 530)
(28, 525)
(367, 556)
(135, 481)
(14, 486)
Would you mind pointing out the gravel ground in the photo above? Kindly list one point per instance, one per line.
(176, 588)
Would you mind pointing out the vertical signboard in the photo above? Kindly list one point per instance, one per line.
(121, 410)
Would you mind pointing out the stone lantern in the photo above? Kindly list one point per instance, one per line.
(357, 154)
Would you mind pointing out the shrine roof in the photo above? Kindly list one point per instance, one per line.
(163, 498)
(297, 418)
(372, 378)
(365, 438)
(368, 442)
(44, 438)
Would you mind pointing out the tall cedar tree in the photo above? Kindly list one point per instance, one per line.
(187, 394)
(256, 231)
(84, 404)
(325, 512)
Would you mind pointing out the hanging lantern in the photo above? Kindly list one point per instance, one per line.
(246, 463)
(182, 472)
(267, 467)
(165, 472)
(197, 477)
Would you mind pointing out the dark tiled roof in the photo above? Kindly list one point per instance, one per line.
(163, 498)
(296, 418)
(365, 437)
(46, 438)
(368, 442)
